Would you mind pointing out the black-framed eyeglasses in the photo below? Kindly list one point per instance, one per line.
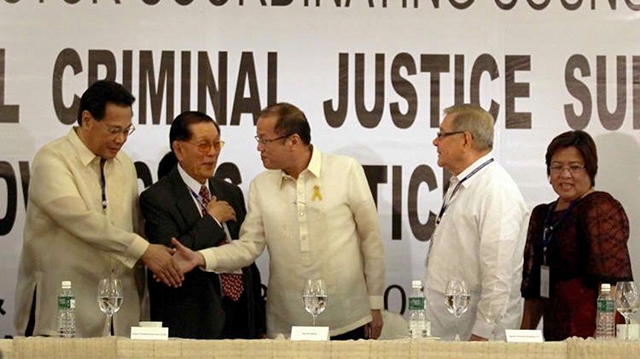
(116, 130)
(205, 146)
(442, 134)
(573, 169)
(265, 141)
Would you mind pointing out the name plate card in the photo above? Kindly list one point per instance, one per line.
(634, 331)
(149, 333)
(524, 336)
(310, 333)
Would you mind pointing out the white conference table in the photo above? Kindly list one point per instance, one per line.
(124, 348)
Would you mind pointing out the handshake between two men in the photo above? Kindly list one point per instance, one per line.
(170, 269)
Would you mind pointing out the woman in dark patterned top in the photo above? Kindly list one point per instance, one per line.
(574, 243)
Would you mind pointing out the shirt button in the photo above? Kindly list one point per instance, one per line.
(301, 214)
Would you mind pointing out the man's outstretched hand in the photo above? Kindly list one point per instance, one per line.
(157, 258)
(186, 259)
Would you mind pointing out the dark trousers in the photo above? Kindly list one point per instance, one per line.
(236, 325)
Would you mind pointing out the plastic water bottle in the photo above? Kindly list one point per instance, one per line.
(419, 326)
(66, 311)
(606, 315)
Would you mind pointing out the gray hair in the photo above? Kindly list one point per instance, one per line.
(475, 120)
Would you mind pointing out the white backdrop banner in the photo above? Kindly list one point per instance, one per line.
(373, 77)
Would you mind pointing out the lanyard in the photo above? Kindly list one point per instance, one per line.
(446, 203)
(103, 185)
(550, 228)
(199, 199)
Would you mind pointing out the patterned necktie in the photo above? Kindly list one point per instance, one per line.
(232, 283)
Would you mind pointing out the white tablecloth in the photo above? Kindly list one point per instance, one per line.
(123, 348)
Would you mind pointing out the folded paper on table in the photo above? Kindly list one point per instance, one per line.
(149, 333)
(634, 331)
(524, 336)
(310, 333)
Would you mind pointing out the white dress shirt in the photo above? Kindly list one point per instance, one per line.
(194, 187)
(480, 239)
(322, 225)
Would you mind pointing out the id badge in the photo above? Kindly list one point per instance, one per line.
(544, 281)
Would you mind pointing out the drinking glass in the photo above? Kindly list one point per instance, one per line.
(457, 299)
(109, 299)
(627, 300)
(314, 297)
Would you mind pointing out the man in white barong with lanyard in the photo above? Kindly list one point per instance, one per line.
(480, 232)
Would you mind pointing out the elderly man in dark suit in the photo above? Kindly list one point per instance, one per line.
(201, 212)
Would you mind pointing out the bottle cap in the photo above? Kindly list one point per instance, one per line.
(66, 284)
(416, 283)
(605, 287)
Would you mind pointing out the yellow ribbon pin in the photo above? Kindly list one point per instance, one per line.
(316, 193)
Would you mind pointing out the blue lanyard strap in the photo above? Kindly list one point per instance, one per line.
(447, 202)
(550, 228)
(103, 185)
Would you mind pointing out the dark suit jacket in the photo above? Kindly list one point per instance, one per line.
(195, 310)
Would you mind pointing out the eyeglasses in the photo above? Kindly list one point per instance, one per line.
(442, 134)
(573, 169)
(205, 147)
(116, 130)
(265, 141)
